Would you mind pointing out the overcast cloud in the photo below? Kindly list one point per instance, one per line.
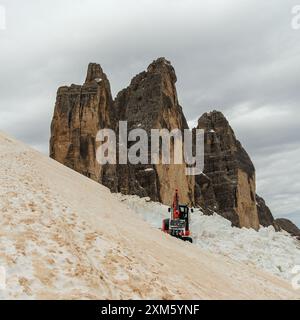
(240, 57)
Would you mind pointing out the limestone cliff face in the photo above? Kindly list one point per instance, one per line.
(229, 171)
(227, 185)
(80, 111)
(150, 102)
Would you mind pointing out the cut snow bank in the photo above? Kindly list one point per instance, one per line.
(275, 252)
(64, 236)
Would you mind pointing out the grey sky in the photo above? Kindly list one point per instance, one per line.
(240, 57)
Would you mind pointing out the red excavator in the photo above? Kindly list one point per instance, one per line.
(178, 225)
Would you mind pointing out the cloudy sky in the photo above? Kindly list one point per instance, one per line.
(240, 57)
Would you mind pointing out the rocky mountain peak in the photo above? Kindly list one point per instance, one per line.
(151, 99)
(94, 73)
(227, 185)
(215, 121)
(80, 112)
(230, 171)
(150, 102)
(213, 117)
(162, 66)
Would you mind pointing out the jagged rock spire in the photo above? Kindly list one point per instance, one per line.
(230, 170)
(150, 102)
(162, 65)
(94, 73)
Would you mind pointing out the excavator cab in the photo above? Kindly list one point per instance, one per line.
(178, 225)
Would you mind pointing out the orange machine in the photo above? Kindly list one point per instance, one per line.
(178, 225)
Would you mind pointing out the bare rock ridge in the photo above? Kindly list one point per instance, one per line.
(227, 185)
(288, 226)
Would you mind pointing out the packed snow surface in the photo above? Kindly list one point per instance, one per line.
(275, 252)
(64, 236)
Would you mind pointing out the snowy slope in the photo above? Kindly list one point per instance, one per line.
(275, 252)
(64, 236)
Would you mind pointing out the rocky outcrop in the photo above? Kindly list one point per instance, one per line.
(288, 226)
(266, 219)
(230, 173)
(264, 213)
(150, 102)
(80, 111)
(227, 185)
